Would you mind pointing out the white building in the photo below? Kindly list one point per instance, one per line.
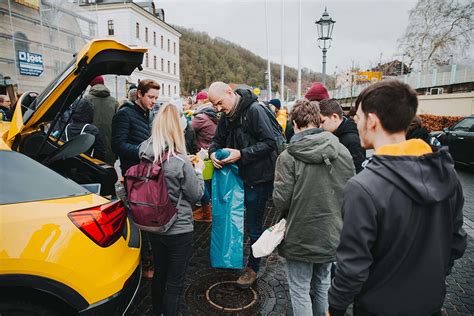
(141, 24)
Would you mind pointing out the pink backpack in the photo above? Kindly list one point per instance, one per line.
(150, 204)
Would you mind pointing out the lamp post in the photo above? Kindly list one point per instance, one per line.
(325, 26)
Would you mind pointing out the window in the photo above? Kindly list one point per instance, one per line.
(154, 38)
(110, 26)
(174, 48)
(162, 65)
(465, 125)
(169, 45)
(146, 34)
(174, 68)
(163, 88)
(21, 42)
(137, 30)
(154, 62)
(161, 41)
(146, 60)
(169, 90)
(71, 42)
(174, 89)
(169, 68)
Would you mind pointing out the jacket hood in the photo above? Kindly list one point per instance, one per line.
(314, 146)
(100, 90)
(145, 150)
(83, 111)
(208, 109)
(426, 179)
(348, 126)
(247, 98)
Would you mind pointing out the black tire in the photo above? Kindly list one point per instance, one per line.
(24, 307)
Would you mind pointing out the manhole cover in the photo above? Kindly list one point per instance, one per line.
(213, 292)
(227, 297)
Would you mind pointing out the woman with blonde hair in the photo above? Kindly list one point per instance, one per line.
(172, 249)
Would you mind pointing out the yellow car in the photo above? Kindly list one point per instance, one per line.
(63, 249)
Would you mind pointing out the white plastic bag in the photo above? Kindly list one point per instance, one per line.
(269, 240)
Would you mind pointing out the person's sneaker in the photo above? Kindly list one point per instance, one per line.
(247, 278)
(203, 214)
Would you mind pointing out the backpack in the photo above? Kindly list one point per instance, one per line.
(150, 204)
(276, 127)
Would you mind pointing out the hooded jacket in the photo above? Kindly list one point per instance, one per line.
(184, 185)
(402, 232)
(309, 178)
(130, 128)
(81, 122)
(349, 137)
(105, 106)
(251, 132)
(204, 124)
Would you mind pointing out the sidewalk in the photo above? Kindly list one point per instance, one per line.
(206, 288)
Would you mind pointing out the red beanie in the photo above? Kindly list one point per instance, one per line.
(201, 96)
(317, 92)
(97, 80)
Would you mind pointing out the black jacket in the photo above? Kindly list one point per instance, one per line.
(349, 137)
(130, 127)
(190, 139)
(419, 132)
(402, 232)
(81, 123)
(250, 131)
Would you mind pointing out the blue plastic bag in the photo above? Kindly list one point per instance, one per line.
(227, 236)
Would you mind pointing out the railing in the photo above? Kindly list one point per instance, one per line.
(417, 80)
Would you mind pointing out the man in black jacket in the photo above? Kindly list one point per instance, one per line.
(246, 132)
(344, 128)
(131, 126)
(402, 215)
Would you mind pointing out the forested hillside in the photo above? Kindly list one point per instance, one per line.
(204, 60)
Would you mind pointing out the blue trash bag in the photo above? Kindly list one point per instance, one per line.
(227, 236)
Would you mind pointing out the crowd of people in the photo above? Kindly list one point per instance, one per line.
(379, 232)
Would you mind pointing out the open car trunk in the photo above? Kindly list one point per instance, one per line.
(99, 57)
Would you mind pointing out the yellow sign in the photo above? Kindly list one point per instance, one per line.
(256, 91)
(34, 4)
(369, 76)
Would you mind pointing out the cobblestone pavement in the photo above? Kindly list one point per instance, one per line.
(270, 294)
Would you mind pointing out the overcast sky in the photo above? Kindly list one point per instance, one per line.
(364, 29)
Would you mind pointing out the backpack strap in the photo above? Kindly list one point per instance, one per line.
(65, 133)
(84, 127)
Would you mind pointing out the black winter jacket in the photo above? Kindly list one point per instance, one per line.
(130, 127)
(402, 232)
(81, 123)
(349, 137)
(250, 132)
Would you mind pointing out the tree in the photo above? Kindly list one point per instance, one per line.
(437, 30)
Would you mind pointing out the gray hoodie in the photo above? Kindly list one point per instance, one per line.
(309, 179)
(183, 185)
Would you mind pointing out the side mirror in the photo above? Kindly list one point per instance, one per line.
(446, 130)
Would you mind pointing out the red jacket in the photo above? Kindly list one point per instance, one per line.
(204, 124)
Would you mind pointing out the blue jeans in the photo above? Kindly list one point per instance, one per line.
(256, 197)
(304, 277)
(171, 254)
(206, 198)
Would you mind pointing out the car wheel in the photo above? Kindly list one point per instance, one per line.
(24, 307)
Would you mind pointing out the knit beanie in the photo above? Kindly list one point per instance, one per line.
(97, 80)
(317, 92)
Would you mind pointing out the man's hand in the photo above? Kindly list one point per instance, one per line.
(234, 156)
(217, 163)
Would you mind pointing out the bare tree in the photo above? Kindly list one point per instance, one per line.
(437, 30)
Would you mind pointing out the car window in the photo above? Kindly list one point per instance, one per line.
(25, 180)
(464, 125)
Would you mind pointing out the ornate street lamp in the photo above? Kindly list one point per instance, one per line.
(325, 25)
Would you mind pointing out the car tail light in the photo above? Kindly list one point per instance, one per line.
(103, 224)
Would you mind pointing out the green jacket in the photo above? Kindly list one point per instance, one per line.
(309, 179)
(105, 107)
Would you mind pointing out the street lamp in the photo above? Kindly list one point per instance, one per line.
(325, 25)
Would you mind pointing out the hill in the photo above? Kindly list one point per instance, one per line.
(204, 60)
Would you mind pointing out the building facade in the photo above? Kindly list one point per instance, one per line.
(141, 24)
(38, 39)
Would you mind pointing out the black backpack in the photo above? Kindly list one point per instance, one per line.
(277, 129)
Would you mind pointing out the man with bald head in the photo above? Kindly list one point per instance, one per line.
(246, 132)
